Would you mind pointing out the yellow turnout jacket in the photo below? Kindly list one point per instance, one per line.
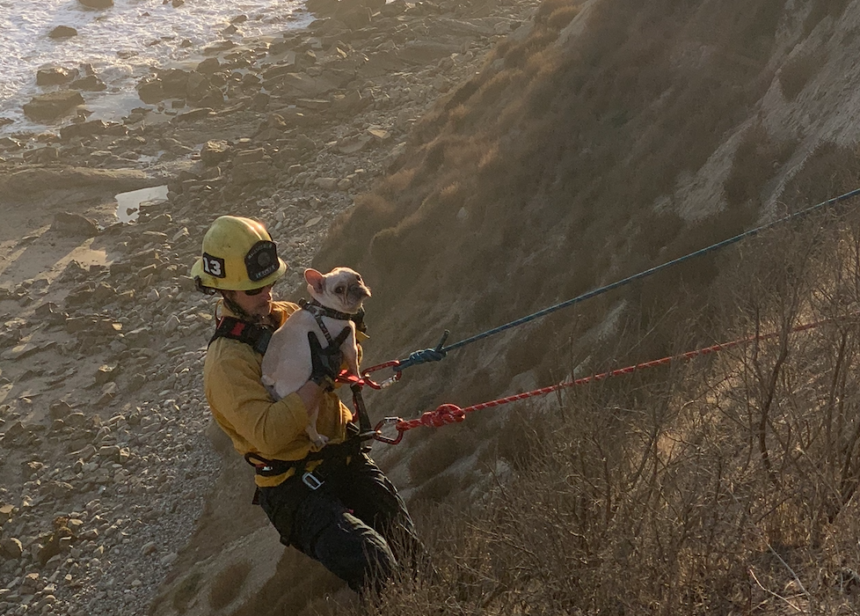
(243, 408)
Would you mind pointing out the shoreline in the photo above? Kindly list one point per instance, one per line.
(121, 44)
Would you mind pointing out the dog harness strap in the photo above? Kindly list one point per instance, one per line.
(258, 336)
(315, 310)
(318, 310)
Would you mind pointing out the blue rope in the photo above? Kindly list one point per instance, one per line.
(436, 354)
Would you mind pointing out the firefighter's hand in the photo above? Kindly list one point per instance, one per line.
(325, 362)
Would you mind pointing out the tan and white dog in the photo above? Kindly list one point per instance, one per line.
(287, 362)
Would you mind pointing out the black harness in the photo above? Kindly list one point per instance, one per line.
(333, 456)
(257, 336)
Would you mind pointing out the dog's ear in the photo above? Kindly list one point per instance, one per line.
(315, 280)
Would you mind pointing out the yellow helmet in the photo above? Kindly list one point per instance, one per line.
(238, 255)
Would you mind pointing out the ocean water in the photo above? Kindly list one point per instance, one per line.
(121, 43)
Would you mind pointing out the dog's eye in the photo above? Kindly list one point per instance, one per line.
(338, 289)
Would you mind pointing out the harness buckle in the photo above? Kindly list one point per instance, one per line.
(312, 481)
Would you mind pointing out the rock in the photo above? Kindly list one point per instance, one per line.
(83, 129)
(104, 374)
(194, 114)
(148, 548)
(326, 183)
(354, 18)
(209, 66)
(46, 107)
(59, 409)
(174, 82)
(150, 90)
(172, 324)
(97, 4)
(90, 83)
(21, 351)
(71, 224)
(302, 85)
(32, 182)
(214, 152)
(62, 32)
(54, 76)
(6, 512)
(11, 548)
(40, 156)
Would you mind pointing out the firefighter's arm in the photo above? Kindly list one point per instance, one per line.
(235, 388)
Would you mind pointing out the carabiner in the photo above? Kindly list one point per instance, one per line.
(388, 421)
(387, 382)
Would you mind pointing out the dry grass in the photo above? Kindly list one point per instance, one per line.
(756, 160)
(703, 489)
(723, 487)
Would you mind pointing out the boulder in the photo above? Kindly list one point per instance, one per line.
(209, 66)
(47, 154)
(174, 82)
(90, 83)
(84, 129)
(302, 85)
(46, 107)
(54, 76)
(150, 90)
(67, 223)
(62, 32)
(97, 4)
(214, 152)
(355, 18)
(31, 182)
(11, 548)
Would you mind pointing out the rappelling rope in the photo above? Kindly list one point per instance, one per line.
(439, 352)
(451, 413)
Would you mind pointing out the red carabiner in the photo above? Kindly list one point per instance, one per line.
(387, 421)
(387, 382)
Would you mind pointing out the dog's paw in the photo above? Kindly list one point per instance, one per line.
(316, 438)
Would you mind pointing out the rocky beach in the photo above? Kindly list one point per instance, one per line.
(106, 452)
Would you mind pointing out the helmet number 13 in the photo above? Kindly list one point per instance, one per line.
(213, 266)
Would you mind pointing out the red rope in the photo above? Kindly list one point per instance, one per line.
(451, 413)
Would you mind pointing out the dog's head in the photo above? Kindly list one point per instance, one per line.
(342, 289)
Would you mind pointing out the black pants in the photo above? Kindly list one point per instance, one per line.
(355, 524)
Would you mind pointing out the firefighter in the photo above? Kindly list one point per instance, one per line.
(335, 504)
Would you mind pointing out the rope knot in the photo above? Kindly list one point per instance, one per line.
(445, 414)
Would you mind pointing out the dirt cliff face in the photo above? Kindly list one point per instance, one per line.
(609, 137)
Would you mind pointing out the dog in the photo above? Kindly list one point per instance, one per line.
(287, 362)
